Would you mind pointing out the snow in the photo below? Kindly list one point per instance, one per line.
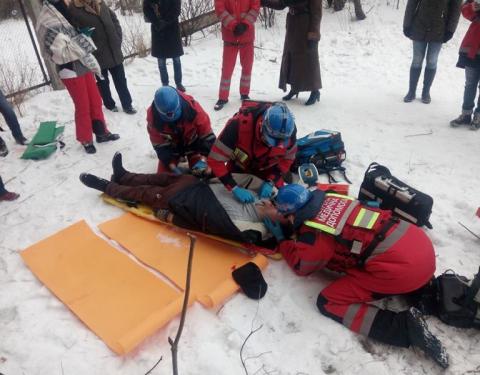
(365, 75)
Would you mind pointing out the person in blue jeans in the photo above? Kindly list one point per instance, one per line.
(166, 38)
(469, 59)
(429, 24)
(12, 122)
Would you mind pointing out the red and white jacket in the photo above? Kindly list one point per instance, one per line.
(239, 148)
(190, 135)
(231, 13)
(471, 41)
(337, 235)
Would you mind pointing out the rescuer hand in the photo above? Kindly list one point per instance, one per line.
(274, 228)
(175, 170)
(266, 190)
(199, 168)
(243, 195)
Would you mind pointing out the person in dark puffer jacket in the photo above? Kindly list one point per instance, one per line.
(107, 36)
(469, 59)
(428, 23)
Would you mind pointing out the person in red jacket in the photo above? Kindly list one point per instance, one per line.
(238, 33)
(379, 256)
(261, 140)
(179, 127)
(469, 59)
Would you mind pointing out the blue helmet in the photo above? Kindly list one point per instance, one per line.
(278, 125)
(291, 198)
(167, 102)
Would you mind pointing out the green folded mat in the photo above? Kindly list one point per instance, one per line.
(45, 141)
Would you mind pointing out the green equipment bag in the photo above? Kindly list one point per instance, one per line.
(45, 141)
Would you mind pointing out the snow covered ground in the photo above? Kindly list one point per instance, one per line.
(365, 75)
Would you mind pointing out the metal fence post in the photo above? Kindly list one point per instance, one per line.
(33, 9)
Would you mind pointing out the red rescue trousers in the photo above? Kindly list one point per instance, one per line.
(88, 105)
(230, 52)
(405, 267)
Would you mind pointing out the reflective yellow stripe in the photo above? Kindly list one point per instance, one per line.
(359, 217)
(322, 227)
(372, 221)
(366, 218)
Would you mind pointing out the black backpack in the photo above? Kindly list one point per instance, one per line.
(392, 194)
(458, 300)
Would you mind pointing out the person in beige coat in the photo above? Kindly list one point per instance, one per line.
(300, 63)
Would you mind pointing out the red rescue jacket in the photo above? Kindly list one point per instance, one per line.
(191, 134)
(231, 13)
(239, 148)
(471, 41)
(344, 230)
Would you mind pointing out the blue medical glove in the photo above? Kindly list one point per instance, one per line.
(199, 167)
(266, 190)
(274, 228)
(243, 195)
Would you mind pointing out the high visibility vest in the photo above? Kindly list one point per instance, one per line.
(335, 211)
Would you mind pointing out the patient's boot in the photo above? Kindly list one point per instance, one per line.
(94, 182)
(117, 166)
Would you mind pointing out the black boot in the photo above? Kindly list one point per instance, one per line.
(101, 135)
(358, 10)
(414, 76)
(94, 182)
(405, 329)
(314, 97)
(244, 97)
(89, 147)
(290, 95)
(220, 104)
(423, 339)
(338, 5)
(463, 119)
(428, 77)
(3, 148)
(118, 170)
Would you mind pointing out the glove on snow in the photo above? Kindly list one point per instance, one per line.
(249, 278)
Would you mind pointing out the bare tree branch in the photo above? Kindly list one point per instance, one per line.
(174, 344)
(153, 368)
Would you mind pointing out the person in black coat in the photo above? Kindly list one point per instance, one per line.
(166, 38)
(95, 17)
(429, 24)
